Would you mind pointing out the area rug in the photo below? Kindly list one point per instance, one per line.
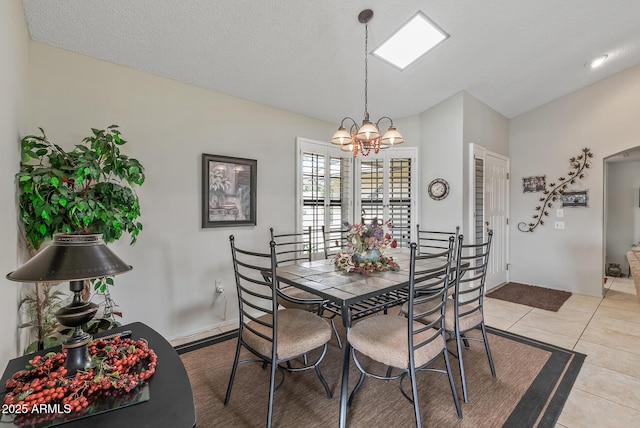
(532, 384)
(531, 295)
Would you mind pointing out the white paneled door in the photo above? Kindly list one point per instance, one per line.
(490, 209)
(496, 195)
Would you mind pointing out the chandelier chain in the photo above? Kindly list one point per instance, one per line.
(366, 70)
(365, 138)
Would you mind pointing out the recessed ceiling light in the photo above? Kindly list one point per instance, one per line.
(596, 62)
(415, 38)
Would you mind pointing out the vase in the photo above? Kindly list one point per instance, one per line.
(372, 255)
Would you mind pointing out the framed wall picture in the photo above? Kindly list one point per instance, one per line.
(228, 191)
(575, 199)
(534, 184)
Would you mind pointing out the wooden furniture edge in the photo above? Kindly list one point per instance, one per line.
(633, 257)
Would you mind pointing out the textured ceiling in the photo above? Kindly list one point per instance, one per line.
(307, 56)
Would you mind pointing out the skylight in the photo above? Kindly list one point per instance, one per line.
(415, 38)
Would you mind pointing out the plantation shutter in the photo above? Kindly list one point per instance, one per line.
(400, 195)
(326, 187)
(372, 189)
(313, 195)
(479, 200)
(386, 192)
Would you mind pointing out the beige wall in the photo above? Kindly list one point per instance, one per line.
(485, 127)
(14, 41)
(441, 157)
(446, 131)
(603, 117)
(168, 126)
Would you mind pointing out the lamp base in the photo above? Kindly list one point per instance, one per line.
(75, 315)
(77, 352)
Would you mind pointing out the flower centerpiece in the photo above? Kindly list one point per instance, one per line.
(365, 247)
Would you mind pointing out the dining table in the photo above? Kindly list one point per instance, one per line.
(353, 295)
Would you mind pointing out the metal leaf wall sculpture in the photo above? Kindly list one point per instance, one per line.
(555, 191)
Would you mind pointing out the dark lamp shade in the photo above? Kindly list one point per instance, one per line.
(71, 257)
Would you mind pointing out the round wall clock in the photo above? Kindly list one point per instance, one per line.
(438, 189)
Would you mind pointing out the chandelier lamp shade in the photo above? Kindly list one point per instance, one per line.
(74, 258)
(366, 137)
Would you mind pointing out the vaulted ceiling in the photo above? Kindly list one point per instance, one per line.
(307, 56)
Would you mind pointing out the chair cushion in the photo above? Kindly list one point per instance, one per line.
(298, 332)
(299, 294)
(424, 307)
(467, 322)
(384, 339)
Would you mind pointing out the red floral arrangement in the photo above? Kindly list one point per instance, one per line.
(119, 365)
(364, 252)
(365, 267)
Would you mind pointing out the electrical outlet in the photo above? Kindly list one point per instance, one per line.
(559, 225)
(219, 287)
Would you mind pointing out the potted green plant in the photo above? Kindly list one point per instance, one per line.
(89, 189)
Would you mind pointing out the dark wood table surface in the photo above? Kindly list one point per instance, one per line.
(171, 400)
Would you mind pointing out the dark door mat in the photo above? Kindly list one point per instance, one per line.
(531, 295)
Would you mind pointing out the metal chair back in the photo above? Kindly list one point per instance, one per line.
(292, 247)
(434, 241)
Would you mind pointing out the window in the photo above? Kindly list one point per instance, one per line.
(329, 178)
(386, 191)
(326, 189)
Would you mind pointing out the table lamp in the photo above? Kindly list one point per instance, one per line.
(74, 258)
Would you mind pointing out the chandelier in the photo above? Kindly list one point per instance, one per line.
(367, 137)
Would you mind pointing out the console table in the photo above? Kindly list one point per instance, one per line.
(171, 402)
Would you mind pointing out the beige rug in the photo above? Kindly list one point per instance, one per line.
(533, 381)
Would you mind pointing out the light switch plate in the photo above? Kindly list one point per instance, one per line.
(559, 212)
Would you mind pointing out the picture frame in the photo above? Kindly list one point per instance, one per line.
(535, 183)
(229, 186)
(575, 199)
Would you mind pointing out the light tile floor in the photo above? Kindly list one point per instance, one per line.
(607, 390)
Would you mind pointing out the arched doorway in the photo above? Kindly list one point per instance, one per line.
(621, 207)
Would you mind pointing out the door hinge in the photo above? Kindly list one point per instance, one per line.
(507, 266)
(507, 220)
(507, 175)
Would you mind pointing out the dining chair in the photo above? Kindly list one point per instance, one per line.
(276, 337)
(434, 242)
(291, 248)
(295, 247)
(402, 342)
(468, 302)
(465, 307)
(430, 241)
(335, 240)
